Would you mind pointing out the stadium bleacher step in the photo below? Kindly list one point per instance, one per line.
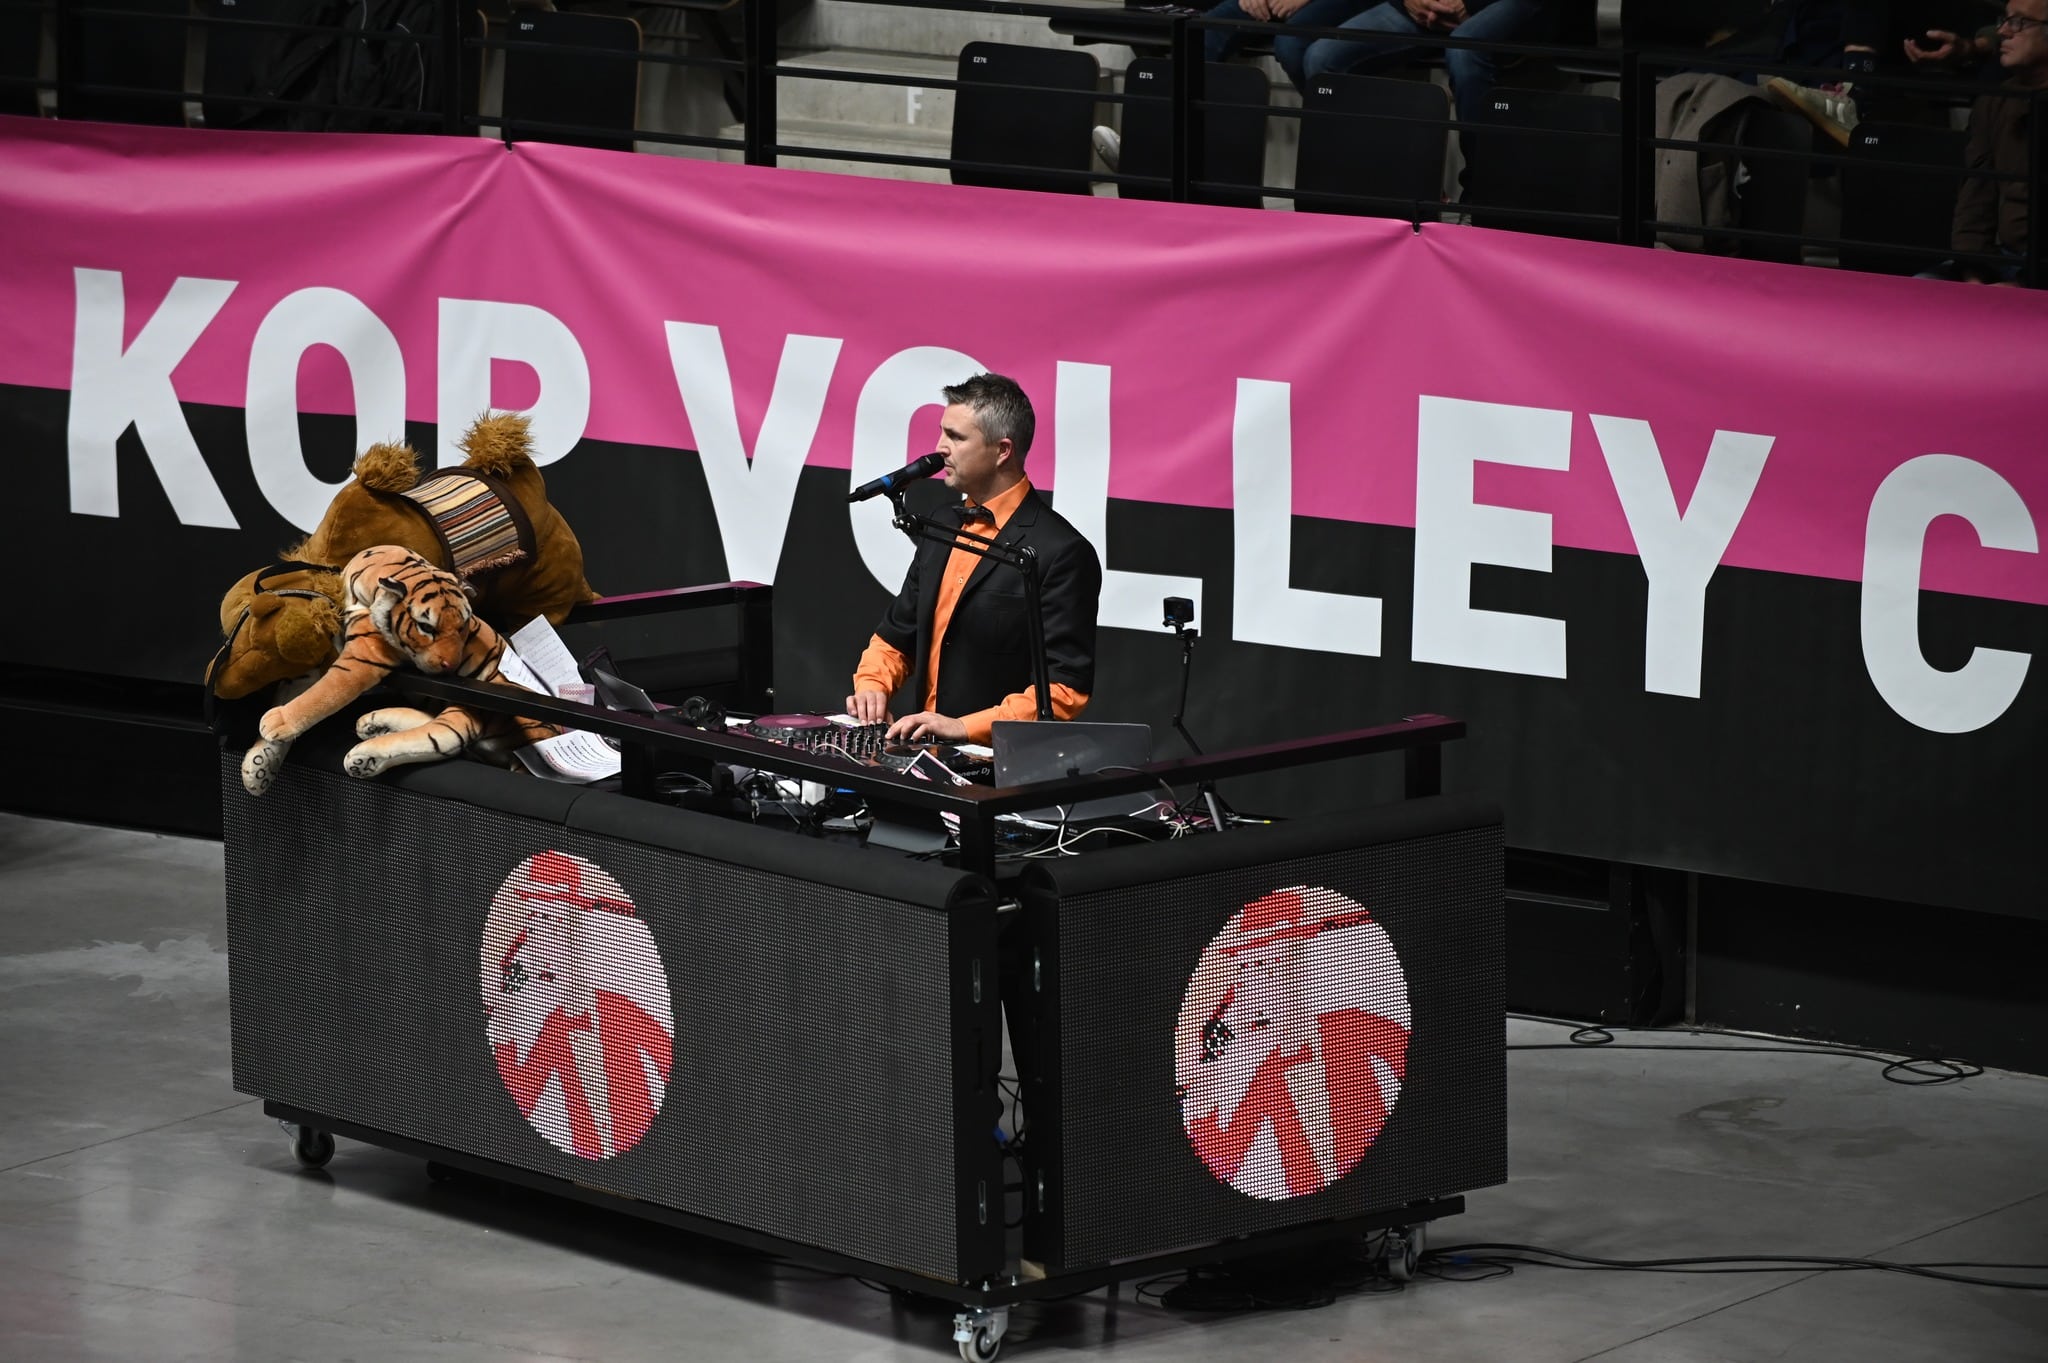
(844, 115)
(858, 102)
(838, 136)
(898, 141)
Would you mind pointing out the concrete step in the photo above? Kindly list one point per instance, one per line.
(901, 140)
(862, 102)
(896, 141)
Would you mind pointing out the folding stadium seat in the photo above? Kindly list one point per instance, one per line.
(233, 61)
(1233, 130)
(579, 72)
(1899, 207)
(1011, 131)
(1374, 136)
(129, 67)
(1549, 152)
(21, 54)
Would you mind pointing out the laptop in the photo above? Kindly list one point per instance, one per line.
(617, 693)
(1038, 750)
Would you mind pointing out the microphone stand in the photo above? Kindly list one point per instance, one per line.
(1022, 558)
(1207, 789)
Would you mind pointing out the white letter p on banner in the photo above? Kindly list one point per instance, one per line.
(475, 331)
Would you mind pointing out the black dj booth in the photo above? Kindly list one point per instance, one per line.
(1226, 1042)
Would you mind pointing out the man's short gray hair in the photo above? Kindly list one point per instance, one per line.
(1000, 409)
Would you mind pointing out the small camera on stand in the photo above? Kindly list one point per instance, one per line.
(1180, 614)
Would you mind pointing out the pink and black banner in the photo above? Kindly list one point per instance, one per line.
(1730, 566)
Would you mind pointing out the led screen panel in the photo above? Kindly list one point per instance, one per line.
(1281, 1027)
(764, 1049)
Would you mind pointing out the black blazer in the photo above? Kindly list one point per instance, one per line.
(986, 654)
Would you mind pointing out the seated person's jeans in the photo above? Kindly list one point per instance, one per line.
(1220, 44)
(1382, 28)
(2007, 273)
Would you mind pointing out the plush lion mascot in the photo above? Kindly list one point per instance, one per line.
(401, 611)
(487, 521)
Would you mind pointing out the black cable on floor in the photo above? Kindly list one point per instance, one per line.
(1914, 1071)
(1536, 1256)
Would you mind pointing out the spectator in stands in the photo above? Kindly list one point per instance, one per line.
(1853, 34)
(1385, 27)
(1219, 44)
(1991, 215)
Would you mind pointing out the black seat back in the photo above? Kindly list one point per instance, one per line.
(1021, 110)
(1372, 136)
(1899, 206)
(592, 97)
(141, 50)
(234, 64)
(21, 55)
(1524, 157)
(1233, 130)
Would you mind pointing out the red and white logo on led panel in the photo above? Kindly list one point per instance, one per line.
(1292, 1043)
(576, 1005)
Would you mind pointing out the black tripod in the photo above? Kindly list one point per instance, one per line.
(1180, 614)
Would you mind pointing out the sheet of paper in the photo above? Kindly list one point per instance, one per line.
(574, 756)
(544, 652)
(513, 669)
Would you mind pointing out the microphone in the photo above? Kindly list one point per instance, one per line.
(922, 467)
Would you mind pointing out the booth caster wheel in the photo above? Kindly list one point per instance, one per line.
(1401, 1252)
(311, 1146)
(979, 1333)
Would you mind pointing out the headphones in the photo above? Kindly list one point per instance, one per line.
(704, 714)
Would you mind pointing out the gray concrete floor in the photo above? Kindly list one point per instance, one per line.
(150, 1213)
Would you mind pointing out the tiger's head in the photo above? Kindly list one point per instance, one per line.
(422, 611)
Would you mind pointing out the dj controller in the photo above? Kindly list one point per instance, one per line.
(863, 744)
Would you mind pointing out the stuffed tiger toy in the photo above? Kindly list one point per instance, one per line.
(399, 610)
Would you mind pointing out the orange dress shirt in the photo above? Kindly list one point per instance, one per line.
(884, 667)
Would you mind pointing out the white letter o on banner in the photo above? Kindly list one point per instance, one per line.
(376, 370)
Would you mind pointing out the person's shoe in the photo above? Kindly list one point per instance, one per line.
(1829, 107)
(1108, 145)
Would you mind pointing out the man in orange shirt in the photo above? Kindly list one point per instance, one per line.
(957, 631)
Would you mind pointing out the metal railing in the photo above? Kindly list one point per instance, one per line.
(750, 65)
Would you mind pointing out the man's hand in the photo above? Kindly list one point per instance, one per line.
(1946, 48)
(1256, 9)
(869, 707)
(1436, 14)
(927, 724)
(1283, 10)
